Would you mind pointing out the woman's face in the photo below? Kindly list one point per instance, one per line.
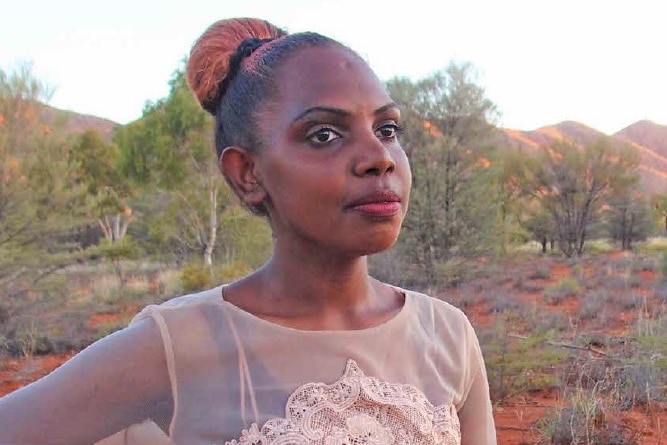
(333, 169)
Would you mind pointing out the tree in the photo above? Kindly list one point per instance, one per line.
(571, 182)
(659, 204)
(103, 195)
(508, 197)
(36, 199)
(448, 125)
(169, 153)
(628, 217)
(540, 225)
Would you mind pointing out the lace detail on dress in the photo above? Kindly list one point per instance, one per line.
(357, 410)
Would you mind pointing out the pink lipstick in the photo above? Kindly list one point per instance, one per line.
(383, 203)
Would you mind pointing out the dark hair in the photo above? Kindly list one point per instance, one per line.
(231, 72)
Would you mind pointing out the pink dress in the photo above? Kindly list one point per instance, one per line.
(418, 378)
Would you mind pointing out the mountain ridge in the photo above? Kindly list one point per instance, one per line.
(648, 137)
(71, 122)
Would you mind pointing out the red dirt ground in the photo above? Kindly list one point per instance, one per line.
(18, 372)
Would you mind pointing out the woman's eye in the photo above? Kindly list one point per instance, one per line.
(323, 136)
(388, 131)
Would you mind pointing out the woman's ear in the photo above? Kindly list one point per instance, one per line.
(240, 169)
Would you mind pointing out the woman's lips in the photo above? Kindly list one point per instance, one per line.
(379, 208)
(380, 203)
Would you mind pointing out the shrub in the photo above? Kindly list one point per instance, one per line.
(517, 365)
(502, 304)
(467, 295)
(618, 282)
(661, 293)
(195, 277)
(598, 246)
(663, 268)
(566, 287)
(30, 339)
(531, 287)
(633, 281)
(593, 305)
(389, 267)
(229, 272)
(540, 273)
(547, 321)
(644, 265)
(640, 384)
(657, 244)
(630, 301)
(584, 420)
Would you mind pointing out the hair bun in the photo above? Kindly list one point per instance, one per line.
(210, 56)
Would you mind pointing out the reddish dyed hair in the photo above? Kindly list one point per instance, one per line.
(209, 62)
(231, 71)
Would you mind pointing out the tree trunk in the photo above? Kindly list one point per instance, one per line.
(212, 226)
(118, 268)
(114, 229)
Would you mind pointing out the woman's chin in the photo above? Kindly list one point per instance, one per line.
(378, 245)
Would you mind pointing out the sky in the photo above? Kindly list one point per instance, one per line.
(601, 63)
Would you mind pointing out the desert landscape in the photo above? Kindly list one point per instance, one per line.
(552, 241)
(576, 349)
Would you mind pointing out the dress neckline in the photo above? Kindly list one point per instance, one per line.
(261, 322)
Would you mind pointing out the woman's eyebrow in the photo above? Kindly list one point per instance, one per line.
(332, 110)
(389, 106)
(340, 112)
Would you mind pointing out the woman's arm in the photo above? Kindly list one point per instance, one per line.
(476, 414)
(120, 380)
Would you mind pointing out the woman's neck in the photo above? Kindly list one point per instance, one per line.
(319, 282)
(316, 293)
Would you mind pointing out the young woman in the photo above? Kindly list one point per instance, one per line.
(309, 349)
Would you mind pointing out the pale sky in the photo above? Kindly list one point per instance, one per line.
(602, 63)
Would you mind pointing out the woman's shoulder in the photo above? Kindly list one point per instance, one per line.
(428, 302)
(182, 303)
(436, 311)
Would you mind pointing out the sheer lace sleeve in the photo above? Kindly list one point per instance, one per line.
(147, 432)
(475, 412)
(117, 381)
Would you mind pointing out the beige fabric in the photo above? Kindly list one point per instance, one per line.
(142, 433)
(358, 410)
(237, 378)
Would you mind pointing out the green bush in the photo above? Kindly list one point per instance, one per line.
(231, 271)
(566, 287)
(598, 246)
(196, 277)
(517, 365)
(663, 268)
(540, 273)
(575, 425)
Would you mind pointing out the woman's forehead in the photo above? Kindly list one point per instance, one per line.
(328, 75)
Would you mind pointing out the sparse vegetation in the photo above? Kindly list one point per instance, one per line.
(547, 325)
(540, 273)
(566, 287)
(584, 419)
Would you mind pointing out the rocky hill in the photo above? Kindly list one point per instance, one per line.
(649, 138)
(70, 122)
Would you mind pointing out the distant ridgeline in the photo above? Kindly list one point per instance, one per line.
(649, 138)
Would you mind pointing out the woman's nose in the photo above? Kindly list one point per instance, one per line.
(375, 158)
